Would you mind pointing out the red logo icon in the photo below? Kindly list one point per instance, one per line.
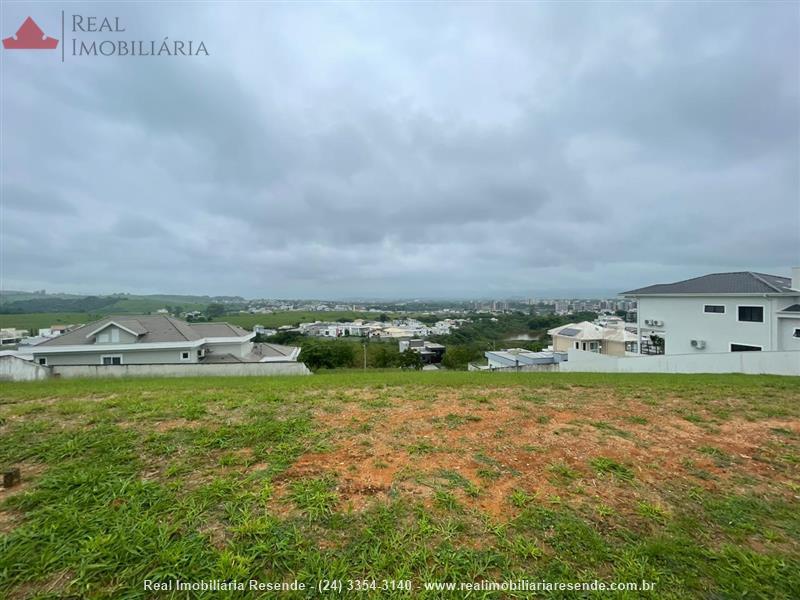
(29, 37)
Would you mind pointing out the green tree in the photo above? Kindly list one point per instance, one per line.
(319, 354)
(384, 356)
(215, 310)
(409, 359)
(458, 357)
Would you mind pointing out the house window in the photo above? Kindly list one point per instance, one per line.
(184, 356)
(796, 332)
(751, 314)
(112, 360)
(714, 308)
(43, 361)
(745, 348)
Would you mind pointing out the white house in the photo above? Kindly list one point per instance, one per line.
(518, 358)
(156, 339)
(721, 312)
(591, 337)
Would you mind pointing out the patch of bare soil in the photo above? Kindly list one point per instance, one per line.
(55, 584)
(29, 474)
(498, 443)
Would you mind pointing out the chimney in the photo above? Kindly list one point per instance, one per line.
(796, 279)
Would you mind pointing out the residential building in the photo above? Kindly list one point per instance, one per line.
(518, 358)
(156, 339)
(614, 339)
(12, 336)
(265, 331)
(431, 353)
(721, 312)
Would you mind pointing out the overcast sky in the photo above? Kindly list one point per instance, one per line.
(403, 150)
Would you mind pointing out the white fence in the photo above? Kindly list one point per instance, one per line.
(13, 368)
(16, 369)
(774, 363)
(172, 370)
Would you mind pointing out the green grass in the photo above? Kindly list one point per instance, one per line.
(273, 479)
(145, 305)
(35, 321)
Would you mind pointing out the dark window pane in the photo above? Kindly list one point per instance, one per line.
(754, 314)
(744, 348)
(714, 308)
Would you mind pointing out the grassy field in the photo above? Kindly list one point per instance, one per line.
(689, 482)
(36, 321)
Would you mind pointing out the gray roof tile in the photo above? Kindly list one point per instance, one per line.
(151, 328)
(741, 282)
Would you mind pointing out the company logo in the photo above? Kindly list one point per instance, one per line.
(30, 37)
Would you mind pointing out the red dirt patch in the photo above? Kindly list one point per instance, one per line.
(497, 442)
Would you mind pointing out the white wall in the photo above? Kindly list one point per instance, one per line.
(130, 357)
(16, 369)
(786, 339)
(775, 363)
(684, 320)
(187, 370)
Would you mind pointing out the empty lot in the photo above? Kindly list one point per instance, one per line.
(691, 482)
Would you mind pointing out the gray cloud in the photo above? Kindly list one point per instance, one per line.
(407, 150)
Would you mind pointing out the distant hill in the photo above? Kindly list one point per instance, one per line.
(19, 302)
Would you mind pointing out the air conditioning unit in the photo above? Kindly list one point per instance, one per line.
(648, 321)
(699, 344)
(657, 323)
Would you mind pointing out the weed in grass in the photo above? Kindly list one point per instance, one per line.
(652, 512)
(604, 510)
(611, 429)
(721, 458)
(782, 431)
(454, 421)
(695, 471)
(421, 448)
(693, 418)
(532, 448)
(520, 498)
(456, 479)
(636, 420)
(446, 501)
(543, 419)
(316, 498)
(533, 398)
(609, 466)
(563, 471)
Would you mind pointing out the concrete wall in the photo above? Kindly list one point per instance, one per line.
(139, 357)
(684, 320)
(16, 369)
(237, 349)
(786, 339)
(186, 370)
(520, 369)
(775, 363)
(613, 348)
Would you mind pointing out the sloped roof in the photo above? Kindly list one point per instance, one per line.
(590, 331)
(739, 282)
(153, 328)
(792, 308)
(217, 330)
(579, 331)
